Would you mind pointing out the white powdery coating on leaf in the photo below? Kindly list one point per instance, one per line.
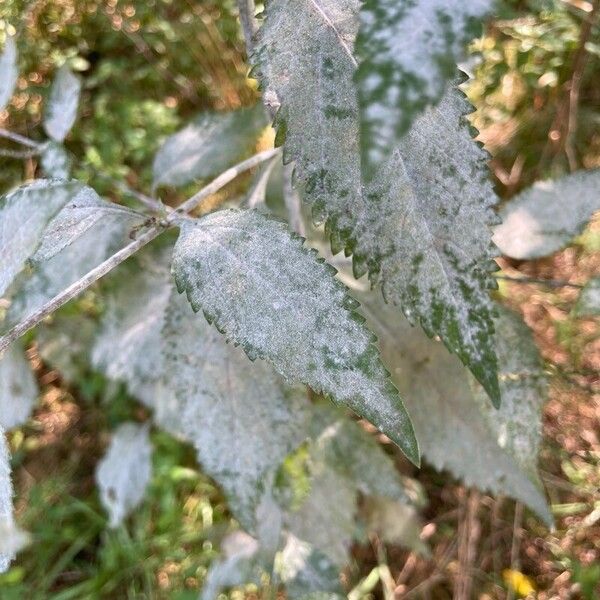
(241, 417)
(124, 472)
(588, 303)
(453, 432)
(265, 291)
(420, 227)
(23, 216)
(409, 50)
(61, 109)
(207, 146)
(545, 217)
(18, 389)
(55, 161)
(75, 242)
(6, 506)
(8, 71)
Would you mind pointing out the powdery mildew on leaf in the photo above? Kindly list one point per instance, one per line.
(545, 217)
(265, 291)
(207, 146)
(420, 227)
(408, 51)
(61, 110)
(588, 303)
(124, 472)
(453, 432)
(6, 507)
(8, 71)
(24, 214)
(327, 517)
(81, 236)
(80, 214)
(308, 573)
(241, 417)
(18, 389)
(55, 161)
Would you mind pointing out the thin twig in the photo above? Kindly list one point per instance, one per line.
(553, 283)
(580, 62)
(108, 265)
(20, 139)
(19, 153)
(248, 21)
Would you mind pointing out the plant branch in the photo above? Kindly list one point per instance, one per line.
(20, 139)
(116, 259)
(19, 153)
(248, 22)
(553, 283)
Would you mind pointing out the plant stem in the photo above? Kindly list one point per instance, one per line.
(554, 283)
(248, 22)
(20, 139)
(116, 259)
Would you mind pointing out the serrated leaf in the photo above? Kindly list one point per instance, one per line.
(407, 53)
(61, 110)
(207, 146)
(265, 291)
(8, 71)
(495, 450)
(55, 161)
(24, 214)
(124, 472)
(420, 228)
(241, 417)
(307, 573)
(82, 235)
(6, 506)
(18, 388)
(547, 216)
(588, 303)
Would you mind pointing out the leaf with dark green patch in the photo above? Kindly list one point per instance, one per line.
(265, 291)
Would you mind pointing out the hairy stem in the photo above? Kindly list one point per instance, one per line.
(116, 259)
(554, 283)
(248, 22)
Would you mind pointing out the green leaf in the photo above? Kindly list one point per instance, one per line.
(6, 506)
(241, 417)
(18, 388)
(207, 146)
(492, 449)
(421, 227)
(407, 52)
(547, 216)
(588, 303)
(265, 291)
(125, 470)
(55, 161)
(24, 214)
(8, 71)
(61, 110)
(82, 235)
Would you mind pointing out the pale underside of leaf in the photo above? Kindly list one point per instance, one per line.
(18, 389)
(82, 235)
(495, 450)
(421, 226)
(547, 216)
(6, 506)
(265, 291)
(588, 303)
(408, 51)
(124, 472)
(24, 214)
(240, 415)
(8, 71)
(61, 110)
(207, 146)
